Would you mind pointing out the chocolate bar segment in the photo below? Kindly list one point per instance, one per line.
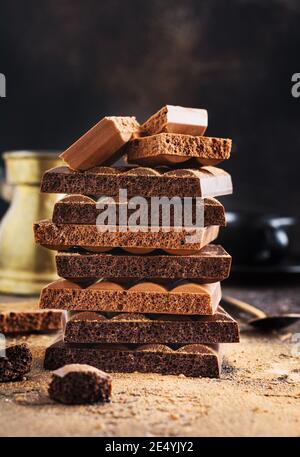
(172, 148)
(100, 143)
(212, 264)
(79, 209)
(145, 182)
(177, 119)
(89, 237)
(26, 317)
(77, 384)
(145, 297)
(91, 328)
(16, 362)
(192, 360)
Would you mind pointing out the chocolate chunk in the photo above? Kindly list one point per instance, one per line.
(172, 148)
(78, 209)
(85, 328)
(191, 360)
(176, 119)
(100, 143)
(16, 363)
(145, 182)
(212, 264)
(76, 384)
(144, 297)
(66, 236)
(26, 317)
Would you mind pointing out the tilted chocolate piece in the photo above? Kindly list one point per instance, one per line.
(100, 143)
(26, 317)
(79, 209)
(88, 327)
(16, 363)
(145, 182)
(172, 148)
(77, 384)
(66, 236)
(144, 297)
(192, 360)
(212, 264)
(177, 119)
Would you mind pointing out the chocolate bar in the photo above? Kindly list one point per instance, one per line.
(125, 328)
(26, 317)
(191, 360)
(145, 182)
(212, 264)
(172, 148)
(79, 209)
(77, 384)
(15, 363)
(100, 143)
(144, 297)
(65, 236)
(176, 119)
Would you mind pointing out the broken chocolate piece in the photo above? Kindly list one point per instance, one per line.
(77, 384)
(144, 297)
(100, 143)
(92, 328)
(191, 360)
(15, 363)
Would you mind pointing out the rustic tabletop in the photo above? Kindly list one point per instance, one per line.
(258, 393)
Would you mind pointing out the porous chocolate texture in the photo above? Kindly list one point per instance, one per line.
(145, 182)
(212, 264)
(114, 297)
(192, 360)
(78, 209)
(25, 317)
(87, 327)
(167, 148)
(15, 363)
(80, 384)
(89, 237)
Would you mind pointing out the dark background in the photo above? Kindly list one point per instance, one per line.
(69, 62)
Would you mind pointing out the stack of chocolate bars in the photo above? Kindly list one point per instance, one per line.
(140, 275)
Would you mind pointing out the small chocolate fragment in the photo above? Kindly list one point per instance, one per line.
(76, 384)
(100, 143)
(78, 209)
(92, 328)
(144, 297)
(212, 264)
(65, 236)
(172, 148)
(26, 317)
(145, 182)
(16, 363)
(176, 119)
(191, 360)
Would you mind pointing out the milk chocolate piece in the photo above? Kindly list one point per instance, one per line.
(88, 327)
(191, 360)
(26, 317)
(79, 209)
(172, 148)
(145, 182)
(16, 363)
(66, 236)
(145, 297)
(177, 119)
(212, 264)
(77, 384)
(100, 143)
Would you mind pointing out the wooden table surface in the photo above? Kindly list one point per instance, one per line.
(258, 393)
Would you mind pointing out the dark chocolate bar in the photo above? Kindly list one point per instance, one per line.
(15, 363)
(191, 360)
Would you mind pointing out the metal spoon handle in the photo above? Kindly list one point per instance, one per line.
(243, 306)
